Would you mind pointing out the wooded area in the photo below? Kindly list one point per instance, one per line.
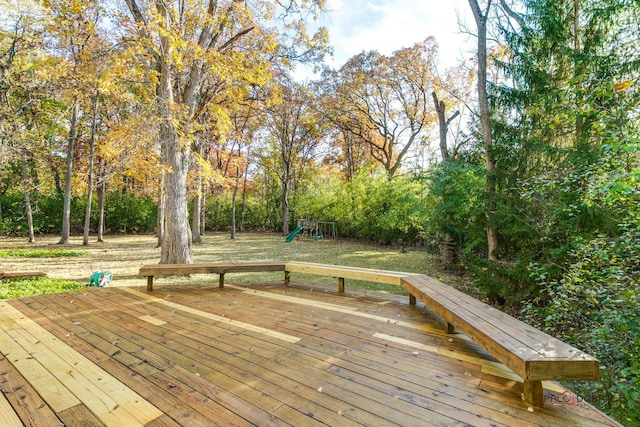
(522, 166)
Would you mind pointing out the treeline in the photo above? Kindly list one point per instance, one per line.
(369, 208)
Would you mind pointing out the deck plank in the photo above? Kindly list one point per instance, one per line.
(337, 335)
(57, 395)
(159, 377)
(156, 350)
(443, 388)
(24, 400)
(240, 364)
(105, 396)
(79, 415)
(8, 417)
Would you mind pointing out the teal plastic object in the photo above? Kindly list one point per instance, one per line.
(100, 279)
(294, 233)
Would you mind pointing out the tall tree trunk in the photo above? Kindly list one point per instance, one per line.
(485, 124)
(243, 198)
(160, 222)
(176, 241)
(285, 205)
(27, 200)
(66, 208)
(443, 125)
(448, 249)
(203, 210)
(234, 197)
(101, 195)
(56, 178)
(92, 146)
(197, 200)
(195, 218)
(578, 70)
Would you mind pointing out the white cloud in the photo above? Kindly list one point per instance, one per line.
(387, 25)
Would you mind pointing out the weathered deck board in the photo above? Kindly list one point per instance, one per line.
(75, 375)
(207, 356)
(8, 417)
(24, 400)
(160, 373)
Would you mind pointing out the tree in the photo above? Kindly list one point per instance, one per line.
(23, 96)
(74, 26)
(245, 127)
(295, 131)
(481, 16)
(90, 178)
(443, 124)
(384, 101)
(187, 42)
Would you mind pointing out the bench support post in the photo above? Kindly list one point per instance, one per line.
(449, 328)
(341, 284)
(412, 299)
(149, 283)
(221, 280)
(287, 278)
(533, 393)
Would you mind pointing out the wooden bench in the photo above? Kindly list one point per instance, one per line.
(220, 268)
(532, 354)
(343, 272)
(20, 274)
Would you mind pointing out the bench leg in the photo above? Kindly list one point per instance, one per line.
(287, 278)
(340, 284)
(449, 328)
(533, 393)
(221, 280)
(412, 299)
(149, 283)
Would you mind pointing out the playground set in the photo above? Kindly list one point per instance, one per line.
(313, 229)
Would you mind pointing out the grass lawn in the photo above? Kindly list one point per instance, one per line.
(123, 255)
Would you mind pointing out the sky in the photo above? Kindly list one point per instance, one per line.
(388, 25)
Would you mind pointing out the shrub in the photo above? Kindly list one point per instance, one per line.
(18, 288)
(596, 307)
(369, 207)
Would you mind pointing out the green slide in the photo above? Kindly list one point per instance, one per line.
(293, 234)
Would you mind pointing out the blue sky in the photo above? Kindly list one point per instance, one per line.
(388, 25)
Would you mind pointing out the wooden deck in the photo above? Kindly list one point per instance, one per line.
(258, 354)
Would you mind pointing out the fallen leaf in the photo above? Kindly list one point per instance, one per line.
(622, 86)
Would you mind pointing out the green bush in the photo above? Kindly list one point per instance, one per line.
(125, 213)
(457, 187)
(254, 214)
(369, 207)
(39, 253)
(18, 288)
(46, 214)
(596, 307)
